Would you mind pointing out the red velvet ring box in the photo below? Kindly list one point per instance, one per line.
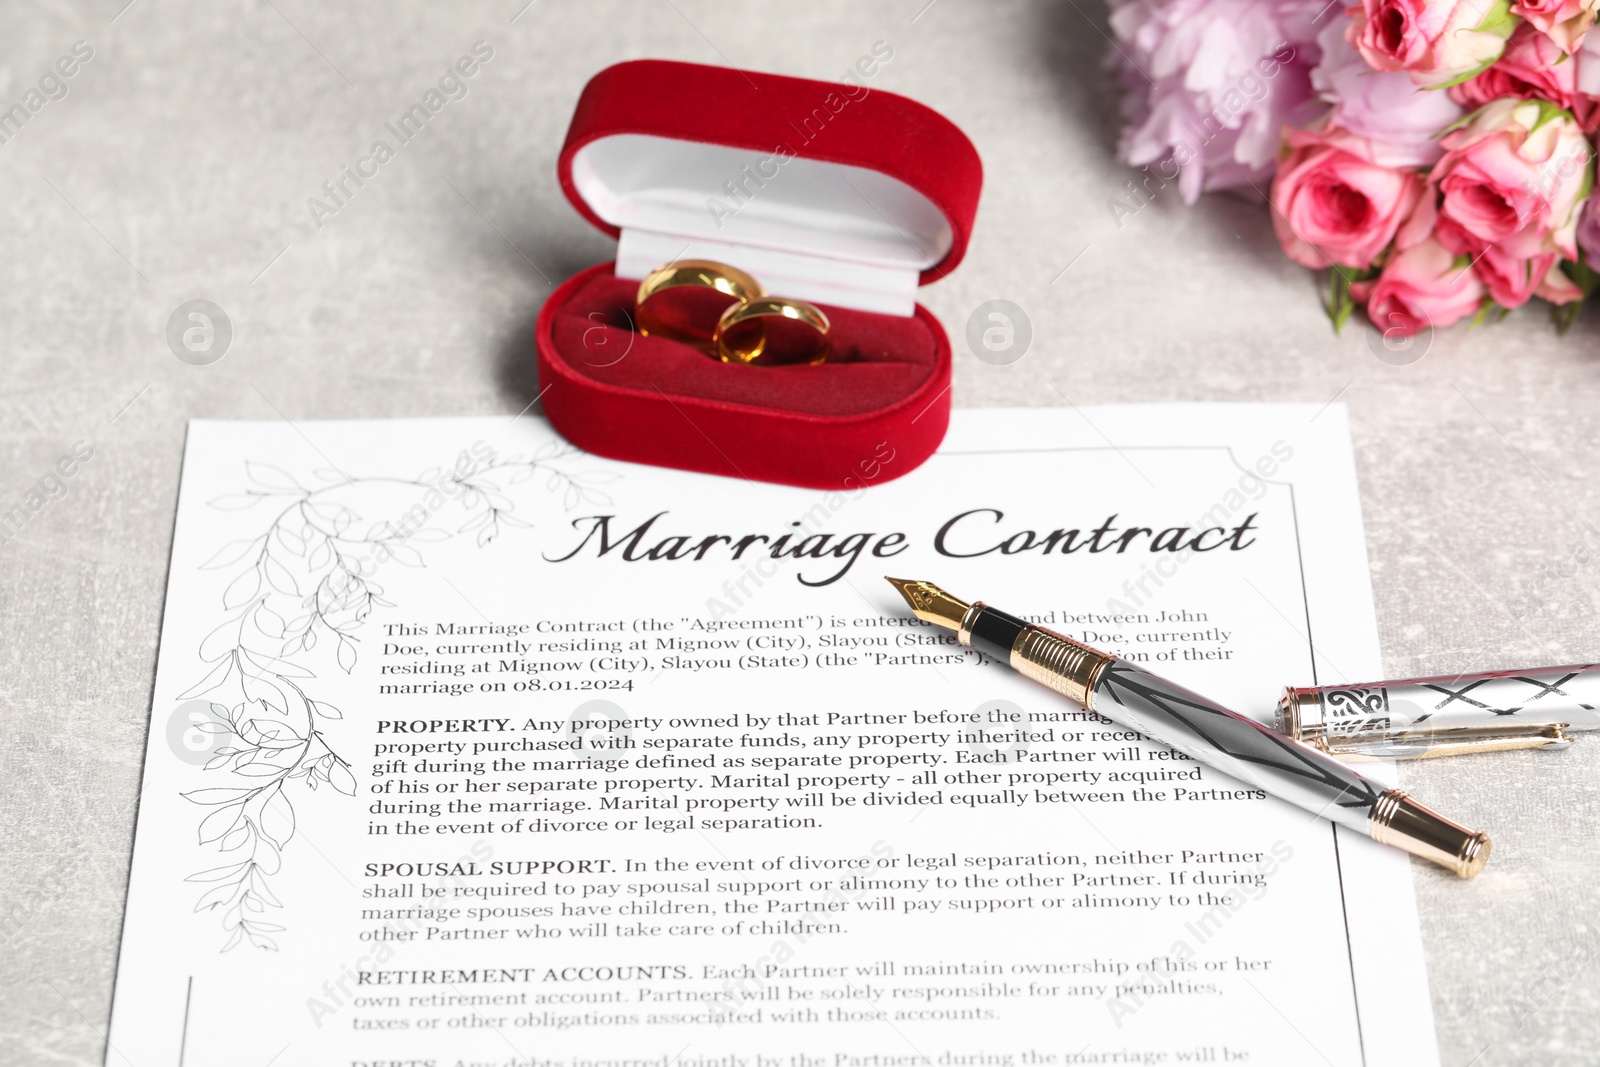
(832, 192)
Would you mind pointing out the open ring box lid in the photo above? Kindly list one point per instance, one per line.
(831, 192)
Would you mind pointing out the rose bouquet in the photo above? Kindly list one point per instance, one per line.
(1436, 157)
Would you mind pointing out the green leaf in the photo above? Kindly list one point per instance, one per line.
(1339, 304)
(1468, 76)
(1549, 112)
(1499, 20)
(1464, 121)
(1562, 316)
(1488, 312)
(1583, 276)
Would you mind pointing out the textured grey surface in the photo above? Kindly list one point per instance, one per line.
(178, 167)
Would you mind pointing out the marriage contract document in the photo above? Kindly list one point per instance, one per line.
(473, 750)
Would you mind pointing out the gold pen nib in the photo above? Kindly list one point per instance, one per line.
(930, 603)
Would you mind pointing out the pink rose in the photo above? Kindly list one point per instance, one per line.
(1424, 285)
(1512, 280)
(1565, 22)
(1558, 288)
(1437, 41)
(1333, 203)
(1511, 186)
(1532, 68)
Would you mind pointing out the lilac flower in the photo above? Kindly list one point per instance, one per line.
(1402, 120)
(1589, 231)
(1212, 83)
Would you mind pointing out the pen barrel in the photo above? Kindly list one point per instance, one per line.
(1424, 717)
(1224, 740)
(1284, 768)
(1235, 745)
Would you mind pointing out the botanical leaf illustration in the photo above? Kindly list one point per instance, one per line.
(304, 582)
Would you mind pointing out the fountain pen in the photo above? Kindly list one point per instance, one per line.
(1240, 747)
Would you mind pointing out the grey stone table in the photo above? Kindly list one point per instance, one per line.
(178, 166)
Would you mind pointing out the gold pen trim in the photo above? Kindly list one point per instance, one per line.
(1070, 668)
(1402, 822)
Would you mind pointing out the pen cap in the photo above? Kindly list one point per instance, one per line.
(1445, 715)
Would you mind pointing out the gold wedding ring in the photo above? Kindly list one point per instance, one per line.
(744, 334)
(691, 318)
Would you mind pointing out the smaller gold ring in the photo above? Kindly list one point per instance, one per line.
(689, 320)
(750, 345)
